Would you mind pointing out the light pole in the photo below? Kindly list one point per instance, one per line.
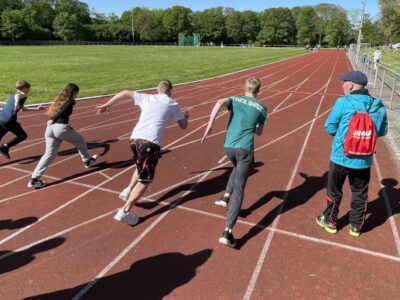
(133, 29)
(360, 30)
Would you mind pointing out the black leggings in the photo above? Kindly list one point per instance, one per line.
(15, 128)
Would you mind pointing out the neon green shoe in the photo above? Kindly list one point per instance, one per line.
(354, 231)
(329, 226)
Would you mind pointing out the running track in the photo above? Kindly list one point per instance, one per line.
(61, 242)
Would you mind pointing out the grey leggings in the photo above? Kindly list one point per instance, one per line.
(242, 161)
(54, 135)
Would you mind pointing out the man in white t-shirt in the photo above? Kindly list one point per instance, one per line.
(146, 140)
(377, 57)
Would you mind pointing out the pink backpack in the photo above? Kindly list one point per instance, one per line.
(361, 134)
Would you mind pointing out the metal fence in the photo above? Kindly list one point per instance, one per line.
(384, 78)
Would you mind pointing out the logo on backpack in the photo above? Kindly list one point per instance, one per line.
(361, 135)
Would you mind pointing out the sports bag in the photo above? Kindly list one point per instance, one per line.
(361, 134)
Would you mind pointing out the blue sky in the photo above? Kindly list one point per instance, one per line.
(118, 6)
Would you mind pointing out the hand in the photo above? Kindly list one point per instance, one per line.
(102, 108)
(50, 122)
(206, 134)
(187, 115)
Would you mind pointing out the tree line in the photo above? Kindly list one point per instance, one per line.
(73, 20)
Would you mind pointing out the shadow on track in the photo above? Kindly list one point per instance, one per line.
(295, 197)
(10, 260)
(377, 213)
(150, 278)
(20, 223)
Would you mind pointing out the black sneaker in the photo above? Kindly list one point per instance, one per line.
(354, 230)
(228, 239)
(329, 226)
(91, 161)
(223, 201)
(36, 183)
(4, 151)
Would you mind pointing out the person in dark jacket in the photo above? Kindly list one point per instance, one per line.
(8, 116)
(58, 130)
(357, 168)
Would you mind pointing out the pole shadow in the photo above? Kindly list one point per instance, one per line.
(150, 278)
(297, 196)
(10, 260)
(15, 224)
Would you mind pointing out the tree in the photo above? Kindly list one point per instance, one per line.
(234, 27)
(277, 26)
(324, 12)
(210, 23)
(337, 28)
(177, 19)
(390, 19)
(306, 25)
(251, 25)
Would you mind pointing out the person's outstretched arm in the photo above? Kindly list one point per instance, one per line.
(214, 112)
(121, 95)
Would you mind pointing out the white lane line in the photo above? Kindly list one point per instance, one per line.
(60, 207)
(270, 236)
(105, 175)
(388, 207)
(138, 239)
(12, 181)
(56, 234)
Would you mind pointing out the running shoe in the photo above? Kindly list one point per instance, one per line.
(126, 217)
(36, 183)
(228, 239)
(329, 226)
(125, 194)
(4, 151)
(223, 201)
(354, 230)
(91, 161)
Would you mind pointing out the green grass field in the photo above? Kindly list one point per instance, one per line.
(390, 59)
(102, 70)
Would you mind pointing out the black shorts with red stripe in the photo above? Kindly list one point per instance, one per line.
(146, 155)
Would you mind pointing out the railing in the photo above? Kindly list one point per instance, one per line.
(388, 78)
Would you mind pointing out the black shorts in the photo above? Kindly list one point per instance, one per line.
(146, 155)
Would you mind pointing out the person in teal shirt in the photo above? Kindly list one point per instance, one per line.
(247, 118)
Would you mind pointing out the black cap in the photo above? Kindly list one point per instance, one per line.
(355, 76)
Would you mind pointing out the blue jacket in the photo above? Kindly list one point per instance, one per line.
(338, 121)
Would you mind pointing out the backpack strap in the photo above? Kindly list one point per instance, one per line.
(369, 105)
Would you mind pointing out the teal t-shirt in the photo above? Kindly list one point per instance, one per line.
(246, 113)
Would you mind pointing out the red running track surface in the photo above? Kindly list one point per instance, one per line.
(61, 242)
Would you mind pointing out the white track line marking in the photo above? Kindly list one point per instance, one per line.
(60, 207)
(270, 236)
(138, 239)
(388, 208)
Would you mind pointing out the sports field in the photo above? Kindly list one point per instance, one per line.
(61, 242)
(100, 70)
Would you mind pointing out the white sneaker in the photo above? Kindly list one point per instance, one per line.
(126, 217)
(125, 194)
(91, 161)
(37, 183)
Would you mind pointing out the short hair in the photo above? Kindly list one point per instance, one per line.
(22, 84)
(164, 86)
(253, 85)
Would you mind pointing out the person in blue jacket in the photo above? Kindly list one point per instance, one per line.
(357, 168)
(8, 116)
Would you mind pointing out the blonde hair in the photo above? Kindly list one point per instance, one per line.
(164, 86)
(22, 84)
(62, 97)
(253, 85)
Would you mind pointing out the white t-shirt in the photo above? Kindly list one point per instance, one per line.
(157, 110)
(377, 55)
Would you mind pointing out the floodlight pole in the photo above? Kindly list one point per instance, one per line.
(360, 29)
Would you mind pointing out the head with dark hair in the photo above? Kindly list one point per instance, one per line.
(165, 87)
(71, 91)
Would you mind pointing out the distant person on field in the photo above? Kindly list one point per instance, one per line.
(377, 56)
(8, 116)
(247, 118)
(356, 168)
(146, 140)
(58, 130)
(345, 48)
